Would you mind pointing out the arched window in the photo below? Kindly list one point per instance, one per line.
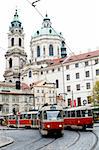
(10, 63)
(12, 42)
(38, 51)
(50, 50)
(20, 42)
(30, 74)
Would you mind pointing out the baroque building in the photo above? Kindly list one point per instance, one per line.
(50, 72)
(15, 56)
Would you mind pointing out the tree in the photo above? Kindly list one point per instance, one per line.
(95, 96)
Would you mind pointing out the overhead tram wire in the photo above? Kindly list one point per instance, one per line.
(34, 5)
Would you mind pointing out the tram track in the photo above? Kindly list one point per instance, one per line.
(37, 143)
(75, 141)
(46, 145)
(96, 141)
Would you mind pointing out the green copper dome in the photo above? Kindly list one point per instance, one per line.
(16, 23)
(46, 29)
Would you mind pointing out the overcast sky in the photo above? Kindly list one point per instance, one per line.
(78, 20)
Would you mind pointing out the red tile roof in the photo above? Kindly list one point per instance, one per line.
(55, 61)
(24, 86)
(83, 56)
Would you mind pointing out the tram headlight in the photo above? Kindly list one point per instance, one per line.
(48, 126)
(60, 125)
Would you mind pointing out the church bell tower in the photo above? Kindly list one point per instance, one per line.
(15, 56)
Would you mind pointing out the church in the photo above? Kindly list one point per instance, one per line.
(51, 75)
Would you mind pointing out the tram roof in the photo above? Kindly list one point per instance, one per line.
(79, 108)
(51, 107)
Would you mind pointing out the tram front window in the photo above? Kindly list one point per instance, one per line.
(52, 115)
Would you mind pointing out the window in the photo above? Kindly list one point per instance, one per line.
(19, 41)
(86, 63)
(57, 84)
(68, 88)
(53, 70)
(44, 50)
(42, 91)
(58, 69)
(79, 101)
(87, 74)
(5, 108)
(77, 75)
(69, 101)
(73, 113)
(67, 67)
(10, 63)
(76, 65)
(37, 91)
(87, 85)
(5, 98)
(68, 77)
(89, 112)
(30, 74)
(38, 51)
(78, 113)
(17, 99)
(78, 87)
(50, 50)
(83, 113)
(97, 72)
(12, 42)
(41, 72)
(96, 61)
(68, 113)
(13, 99)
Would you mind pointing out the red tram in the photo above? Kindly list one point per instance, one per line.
(23, 119)
(78, 117)
(51, 120)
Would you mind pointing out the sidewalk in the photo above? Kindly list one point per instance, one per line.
(4, 141)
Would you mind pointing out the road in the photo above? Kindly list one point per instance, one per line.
(72, 140)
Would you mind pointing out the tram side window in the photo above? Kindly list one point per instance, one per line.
(40, 115)
(72, 113)
(83, 113)
(13, 117)
(45, 115)
(29, 116)
(9, 117)
(20, 116)
(89, 112)
(78, 113)
(59, 115)
(68, 113)
(65, 114)
(34, 116)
